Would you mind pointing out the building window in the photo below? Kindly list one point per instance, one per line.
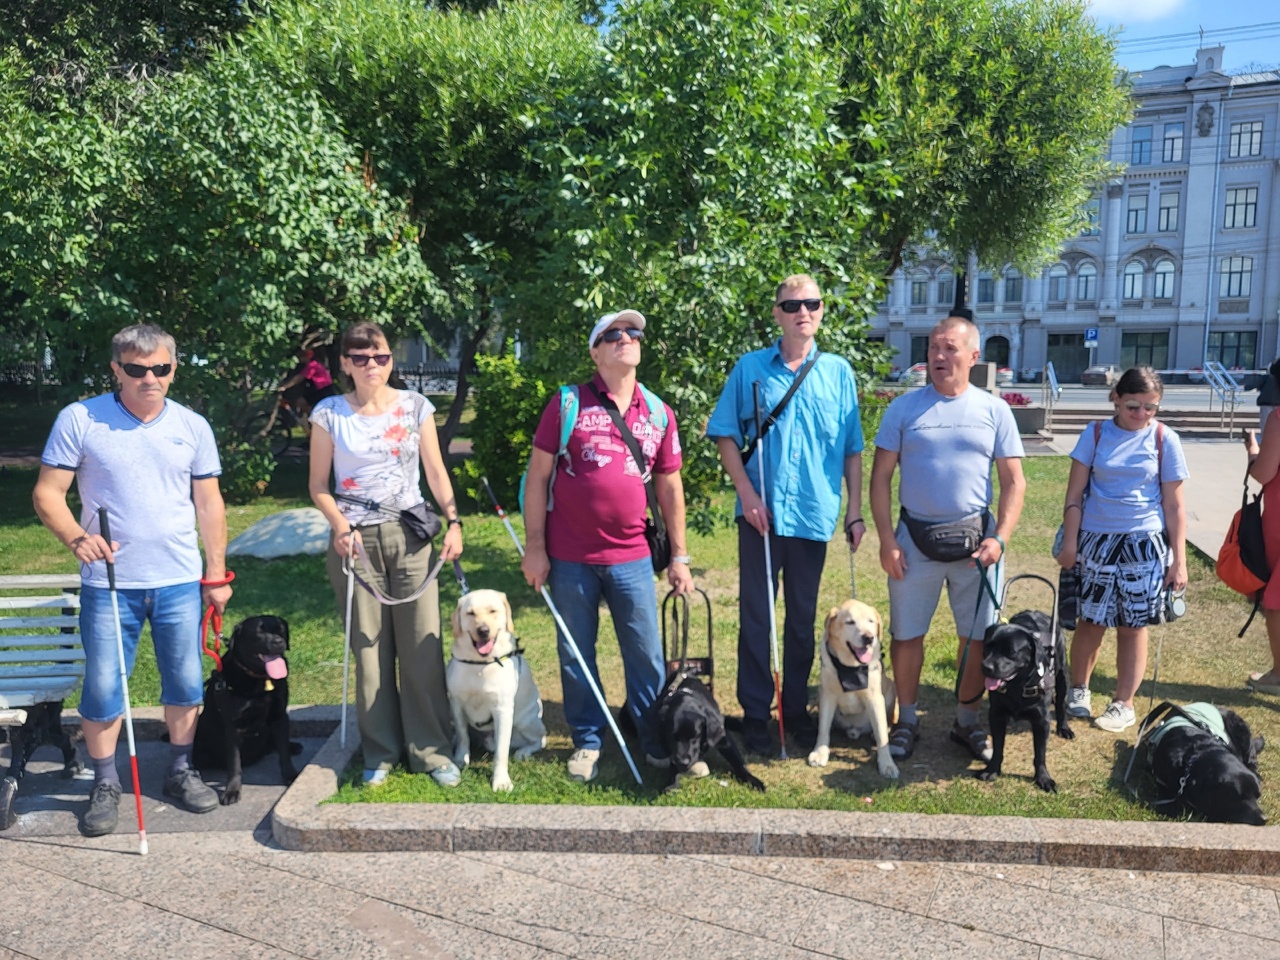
(986, 288)
(1091, 213)
(1133, 280)
(1087, 283)
(1241, 209)
(1013, 286)
(919, 350)
(1234, 348)
(1168, 212)
(1138, 212)
(1172, 143)
(1245, 139)
(919, 291)
(1164, 280)
(1148, 348)
(1058, 284)
(1141, 151)
(1236, 279)
(946, 293)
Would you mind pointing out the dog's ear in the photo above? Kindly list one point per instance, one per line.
(283, 624)
(826, 625)
(879, 623)
(457, 620)
(511, 624)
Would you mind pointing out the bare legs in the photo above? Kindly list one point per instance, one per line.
(1131, 656)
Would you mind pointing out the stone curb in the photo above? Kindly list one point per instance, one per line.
(302, 821)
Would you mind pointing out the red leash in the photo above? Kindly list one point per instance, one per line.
(210, 615)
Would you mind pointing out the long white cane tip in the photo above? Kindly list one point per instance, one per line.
(142, 848)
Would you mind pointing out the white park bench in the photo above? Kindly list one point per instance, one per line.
(41, 664)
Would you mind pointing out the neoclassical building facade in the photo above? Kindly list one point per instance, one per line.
(1179, 263)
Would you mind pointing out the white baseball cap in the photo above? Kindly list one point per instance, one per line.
(634, 317)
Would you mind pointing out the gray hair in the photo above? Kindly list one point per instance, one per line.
(952, 321)
(142, 339)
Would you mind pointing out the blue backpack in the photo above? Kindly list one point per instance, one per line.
(569, 419)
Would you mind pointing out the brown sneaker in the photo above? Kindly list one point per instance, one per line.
(974, 739)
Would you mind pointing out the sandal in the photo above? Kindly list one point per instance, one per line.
(902, 740)
(974, 739)
(1266, 682)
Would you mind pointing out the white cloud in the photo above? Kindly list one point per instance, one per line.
(1135, 11)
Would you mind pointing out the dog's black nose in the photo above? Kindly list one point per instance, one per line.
(483, 631)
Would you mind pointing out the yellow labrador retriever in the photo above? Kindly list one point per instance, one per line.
(853, 687)
(491, 686)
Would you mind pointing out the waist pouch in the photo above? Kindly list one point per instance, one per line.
(948, 541)
(421, 521)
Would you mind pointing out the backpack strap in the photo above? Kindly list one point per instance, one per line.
(657, 409)
(568, 420)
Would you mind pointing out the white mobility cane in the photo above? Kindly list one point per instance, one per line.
(573, 647)
(768, 578)
(124, 682)
(346, 647)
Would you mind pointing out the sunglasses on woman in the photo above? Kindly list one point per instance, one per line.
(362, 359)
(138, 370)
(793, 306)
(1133, 406)
(613, 336)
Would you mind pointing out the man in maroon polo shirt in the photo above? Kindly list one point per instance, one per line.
(591, 544)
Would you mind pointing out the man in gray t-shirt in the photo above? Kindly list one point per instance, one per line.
(945, 437)
(152, 465)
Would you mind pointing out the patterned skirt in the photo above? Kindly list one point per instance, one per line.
(1122, 578)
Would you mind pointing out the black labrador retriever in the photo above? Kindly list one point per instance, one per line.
(1025, 666)
(246, 703)
(1197, 770)
(690, 724)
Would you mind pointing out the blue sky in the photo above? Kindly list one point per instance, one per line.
(1239, 25)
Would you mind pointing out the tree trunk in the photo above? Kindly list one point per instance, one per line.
(465, 361)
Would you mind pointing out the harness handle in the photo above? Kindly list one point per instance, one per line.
(211, 616)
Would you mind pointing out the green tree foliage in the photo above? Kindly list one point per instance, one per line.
(226, 208)
(444, 104)
(995, 115)
(700, 167)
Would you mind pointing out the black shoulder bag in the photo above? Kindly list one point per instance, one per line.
(420, 520)
(777, 411)
(655, 531)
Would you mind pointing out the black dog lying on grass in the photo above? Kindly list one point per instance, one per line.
(1025, 666)
(690, 724)
(246, 706)
(1205, 760)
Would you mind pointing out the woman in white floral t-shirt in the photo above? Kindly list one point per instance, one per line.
(372, 440)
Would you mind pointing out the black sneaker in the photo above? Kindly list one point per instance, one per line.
(188, 789)
(104, 810)
(755, 737)
(802, 727)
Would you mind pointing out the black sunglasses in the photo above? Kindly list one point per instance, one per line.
(138, 370)
(793, 306)
(362, 359)
(614, 335)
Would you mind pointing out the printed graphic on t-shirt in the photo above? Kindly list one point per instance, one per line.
(600, 448)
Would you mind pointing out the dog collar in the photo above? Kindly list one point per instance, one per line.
(852, 679)
(518, 651)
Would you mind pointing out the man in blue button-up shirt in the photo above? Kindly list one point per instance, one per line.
(816, 441)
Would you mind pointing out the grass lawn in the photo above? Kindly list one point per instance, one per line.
(1202, 660)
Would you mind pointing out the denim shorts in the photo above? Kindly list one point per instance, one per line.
(174, 615)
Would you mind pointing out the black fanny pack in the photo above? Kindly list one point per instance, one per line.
(420, 520)
(948, 541)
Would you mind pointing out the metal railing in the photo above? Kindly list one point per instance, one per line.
(1050, 392)
(1223, 385)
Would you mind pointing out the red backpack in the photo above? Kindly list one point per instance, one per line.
(1242, 561)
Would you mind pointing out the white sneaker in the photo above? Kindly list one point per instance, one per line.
(582, 764)
(1080, 703)
(1116, 718)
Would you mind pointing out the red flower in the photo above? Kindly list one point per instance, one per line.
(395, 432)
(349, 483)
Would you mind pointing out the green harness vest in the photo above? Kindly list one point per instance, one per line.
(1206, 713)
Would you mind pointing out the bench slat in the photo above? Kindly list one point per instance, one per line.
(42, 693)
(62, 655)
(40, 640)
(19, 678)
(40, 581)
(39, 623)
(66, 601)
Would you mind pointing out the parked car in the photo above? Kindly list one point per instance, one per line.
(1004, 377)
(1101, 375)
(916, 376)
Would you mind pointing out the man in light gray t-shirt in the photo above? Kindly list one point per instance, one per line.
(945, 437)
(152, 465)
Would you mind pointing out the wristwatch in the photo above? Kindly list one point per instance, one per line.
(453, 520)
(683, 558)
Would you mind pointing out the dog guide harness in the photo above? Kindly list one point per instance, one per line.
(852, 679)
(1205, 716)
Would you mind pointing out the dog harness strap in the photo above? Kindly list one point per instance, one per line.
(517, 652)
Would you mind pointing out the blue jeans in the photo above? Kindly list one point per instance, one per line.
(627, 588)
(174, 614)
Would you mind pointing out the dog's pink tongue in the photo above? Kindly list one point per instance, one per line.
(863, 655)
(993, 683)
(485, 648)
(276, 667)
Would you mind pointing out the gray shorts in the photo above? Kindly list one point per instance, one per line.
(914, 598)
